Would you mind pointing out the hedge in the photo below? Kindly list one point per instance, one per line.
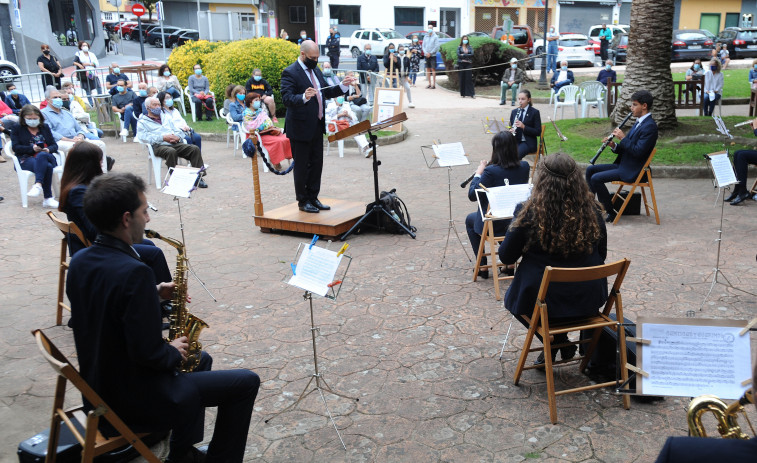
(183, 58)
(486, 52)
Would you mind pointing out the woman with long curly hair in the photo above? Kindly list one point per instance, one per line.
(559, 225)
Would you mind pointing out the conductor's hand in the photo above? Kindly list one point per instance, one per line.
(519, 124)
(310, 93)
(165, 290)
(618, 133)
(481, 167)
(349, 80)
(181, 345)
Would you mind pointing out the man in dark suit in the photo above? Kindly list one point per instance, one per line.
(117, 331)
(304, 92)
(633, 151)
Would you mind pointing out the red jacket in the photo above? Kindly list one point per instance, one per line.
(5, 109)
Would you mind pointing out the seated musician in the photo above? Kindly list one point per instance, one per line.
(340, 116)
(504, 164)
(633, 150)
(122, 355)
(559, 225)
(256, 119)
(526, 120)
(682, 449)
(741, 161)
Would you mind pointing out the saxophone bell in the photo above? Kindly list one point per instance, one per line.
(726, 415)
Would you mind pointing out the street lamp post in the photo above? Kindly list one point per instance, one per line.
(543, 76)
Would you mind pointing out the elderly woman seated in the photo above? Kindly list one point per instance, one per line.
(357, 101)
(273, 139)
(340, 116)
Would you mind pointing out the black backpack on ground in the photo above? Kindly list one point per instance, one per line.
(395, 206)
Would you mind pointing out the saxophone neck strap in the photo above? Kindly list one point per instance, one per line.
(110, 241)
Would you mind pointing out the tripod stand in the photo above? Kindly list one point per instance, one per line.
(451, 227)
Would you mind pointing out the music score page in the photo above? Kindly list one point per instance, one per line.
(450, 154)
(723, 170)
(315, 269)
(503, 199)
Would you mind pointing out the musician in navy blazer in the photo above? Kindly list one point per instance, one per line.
(527, 122)
(305, 122)
(633, 150)
(504, 164)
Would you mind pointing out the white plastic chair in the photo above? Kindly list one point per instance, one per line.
(192, 105)
(339, 144)
(570, 96)
(551, 96)
(121, 121)
(153, 162)
(237, 134)
(25, 175)
(592, 93)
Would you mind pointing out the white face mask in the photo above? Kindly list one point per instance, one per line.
(85, 48)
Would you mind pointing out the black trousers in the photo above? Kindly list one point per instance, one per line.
(334, 60)
(741, 161)
(603, 50)
(308, 166)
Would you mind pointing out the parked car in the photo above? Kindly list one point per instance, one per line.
(422, 34)
(478, 34)
(594, 34)
(155, 38)
(709, 34)
(124, 25)
(378, 38)
(187, 37)
(688, 45)
(522, 37)
(618, 49)
(126, 29)
(173, 37)
(142, 31)
(575, 49)
(741, 42)
(7, 71)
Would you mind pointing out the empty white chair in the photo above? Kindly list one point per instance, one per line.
(592, 93)
(570, 96)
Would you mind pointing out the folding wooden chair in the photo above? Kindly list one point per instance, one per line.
(539, 323)
(66, 228)
(487, 236)
(539, 152)
(93, 443)
(644, 180)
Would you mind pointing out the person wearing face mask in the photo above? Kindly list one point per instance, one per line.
(259, 125)
(50, 66)
(68, 87)
(607, 73)
(167, 82)
(753, 75)
(236, 107)
(724, 56)
(430, 49)
(329, 76)
(199, 88)
(303, 37)
(283, 35)
(339, 116)
(713, 86)
(415, 52)
(605, 37)
(694, 76)
(111, 80)
(358, 103)
(552, 49)
(464, 64)
(33, 143)
(256, 83)
(562, 78)
(14, 99)
(333, 46)
(172, 116)
(76, 106)
(123, 105)
(367, 63)
(85, 63)
(511, 80)
(304, 92)
(139, 99)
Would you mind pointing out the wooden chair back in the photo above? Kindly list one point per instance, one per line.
(66, 228)
(93, 443)
(643, 180)
(539, 323)
(494, 265)
(539, 151)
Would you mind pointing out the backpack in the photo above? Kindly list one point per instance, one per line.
(392, 203)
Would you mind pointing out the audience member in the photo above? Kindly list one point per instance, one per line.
(273, 139)
(607, 73)
(259, 85)
(358, 102)
(86, 63)
(50, 66)
(167, 82)
(123, 105)
(340, 116)
(14, 99)
(367, 63)
(111, 80)
(562, 78)
(713, 87)
(174, 119)
(199, 88)
(33, 143)
(511, 80)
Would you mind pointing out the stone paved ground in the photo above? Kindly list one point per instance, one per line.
(412, 339)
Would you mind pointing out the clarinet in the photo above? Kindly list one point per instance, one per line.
(609, 139)
(467, 180)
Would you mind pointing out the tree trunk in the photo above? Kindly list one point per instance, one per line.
(648, 61)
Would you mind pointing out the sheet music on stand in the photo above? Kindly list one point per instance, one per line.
(450, 155)
(316, 268)
(721, 126)
(181, 181)
(503, 200)
(722, 169)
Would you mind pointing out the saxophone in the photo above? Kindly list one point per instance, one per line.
(726, 415)
(182, 323)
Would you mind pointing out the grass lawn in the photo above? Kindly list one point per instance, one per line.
(585, 137)
(736, 84)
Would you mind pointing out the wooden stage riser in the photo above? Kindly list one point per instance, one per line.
(333, 223)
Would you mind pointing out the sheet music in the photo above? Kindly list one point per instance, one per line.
(389, 97)
(181, 182)
(450, 154)
(315, 269)
(503, 199)
(723, 170)
(385, 112)
(691, 360)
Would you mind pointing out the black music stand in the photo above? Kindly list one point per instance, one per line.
(375, 209)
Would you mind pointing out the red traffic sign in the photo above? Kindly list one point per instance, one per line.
(138, 9)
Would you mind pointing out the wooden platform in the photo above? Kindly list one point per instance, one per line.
(327, 224)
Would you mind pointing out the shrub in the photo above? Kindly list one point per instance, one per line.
(491, 55)
(183, 58)
(234, 63)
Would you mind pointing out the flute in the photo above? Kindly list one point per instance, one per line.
(750, 121)
(609, 139)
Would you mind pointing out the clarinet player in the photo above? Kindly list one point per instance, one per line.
(526, 124)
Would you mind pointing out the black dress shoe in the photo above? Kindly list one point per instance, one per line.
(568, 352)
(317, 203)
(740, 199)
(610, 217)
(109, 162)
(540, 361)
(202, 184)
(733, 196)
(501, 103)
(307, 207)
(193, 455)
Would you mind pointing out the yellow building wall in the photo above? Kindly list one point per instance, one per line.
(691, 11)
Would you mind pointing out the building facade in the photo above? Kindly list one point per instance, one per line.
(488, 14)
(714, 16)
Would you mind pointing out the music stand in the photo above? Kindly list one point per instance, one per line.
(563, 138)
(492, 126)
(447, 155)
(374, 209)
(316, 272)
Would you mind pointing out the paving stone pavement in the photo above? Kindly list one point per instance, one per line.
(411, 335)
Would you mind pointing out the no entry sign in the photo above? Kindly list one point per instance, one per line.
(138, 9)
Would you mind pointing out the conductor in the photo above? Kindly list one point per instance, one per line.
(303, 90)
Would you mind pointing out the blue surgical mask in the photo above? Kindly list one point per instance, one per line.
(402, 53)
(286, 37)
(608, 67)
(391, 50)
(340, 100)
(514, 66)
(198, 71)
(415, 39)
(240, 97)
(697, 67)
(327, 72)
(755, 67)
(465, 41)
(167, 73)
(256, 104)
(32, 122)
(564, 68)
(57, 103)
(119, 88)
(15, 91)
(116, 70)
(713, 68)
(257, 78)
(368, 52)
(143, 93)
(169, 103)
(154, 111)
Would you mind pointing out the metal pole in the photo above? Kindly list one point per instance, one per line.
(120, 30)
(543, 76)
(141, 37)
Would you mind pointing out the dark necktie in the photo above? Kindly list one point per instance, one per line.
(317, 94)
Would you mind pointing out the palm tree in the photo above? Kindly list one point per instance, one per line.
(649, 60)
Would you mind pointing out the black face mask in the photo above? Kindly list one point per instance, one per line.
(67, 104)
(46, 52)
(311, 63)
